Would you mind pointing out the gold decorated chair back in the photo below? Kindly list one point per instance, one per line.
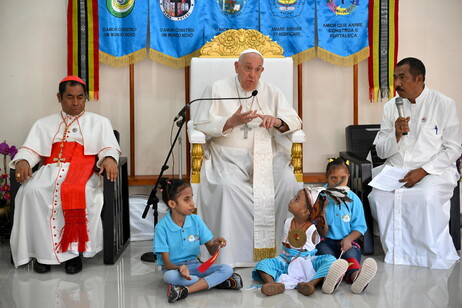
(218, 56)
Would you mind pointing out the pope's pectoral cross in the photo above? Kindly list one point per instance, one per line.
(246, 128)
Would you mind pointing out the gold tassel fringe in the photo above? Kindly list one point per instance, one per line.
(171, 61)
(303, 56)
(263, 253)
(343, 61)
(124, 60)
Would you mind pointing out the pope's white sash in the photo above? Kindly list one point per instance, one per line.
(263, 192)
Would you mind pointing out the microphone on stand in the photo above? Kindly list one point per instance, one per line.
(400, 107)
(183, 110)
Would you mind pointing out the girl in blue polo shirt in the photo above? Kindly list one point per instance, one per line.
(346, 224)
(177, 240)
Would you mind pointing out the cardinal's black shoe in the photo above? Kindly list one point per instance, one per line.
(73, 266)
(41, 268)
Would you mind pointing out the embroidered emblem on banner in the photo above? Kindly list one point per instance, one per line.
(120, 8)
(177, 10)
(342, 9)
(286, 8)
(231, 7)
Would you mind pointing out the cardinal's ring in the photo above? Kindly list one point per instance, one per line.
(18, 175)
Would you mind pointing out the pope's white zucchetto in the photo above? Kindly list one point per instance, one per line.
(250, 50)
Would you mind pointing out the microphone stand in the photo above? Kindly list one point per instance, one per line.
(153, 199)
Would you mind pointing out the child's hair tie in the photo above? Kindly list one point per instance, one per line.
(347, 162)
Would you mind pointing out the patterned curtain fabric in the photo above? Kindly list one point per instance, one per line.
(383, 40)
(82, 43)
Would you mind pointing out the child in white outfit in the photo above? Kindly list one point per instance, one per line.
(298, 267)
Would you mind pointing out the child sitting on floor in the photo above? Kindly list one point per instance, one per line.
(346, 223)
(298, 267)
(177, 240)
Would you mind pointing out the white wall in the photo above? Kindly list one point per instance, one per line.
(33, 60)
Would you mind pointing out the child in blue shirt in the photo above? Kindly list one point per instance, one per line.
(177, 240)
(346, 224)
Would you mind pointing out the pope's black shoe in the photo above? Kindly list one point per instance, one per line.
(41, 268)
(73, 266)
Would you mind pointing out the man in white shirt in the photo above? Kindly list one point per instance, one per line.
(246, 177)
(57, 209)
(413, 220)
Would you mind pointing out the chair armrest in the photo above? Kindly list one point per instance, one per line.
(297, 136)
(115, 214)
(194, 135)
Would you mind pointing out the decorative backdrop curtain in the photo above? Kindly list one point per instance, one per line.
(342, 31)
(383, 39)
(82, 43)
(291, 24)
(336, 30)
(123, 31)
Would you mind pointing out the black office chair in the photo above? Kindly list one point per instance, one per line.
(359, 139)
(115, 214)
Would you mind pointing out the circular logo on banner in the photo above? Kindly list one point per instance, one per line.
(286, 8)
(177, 10)
(120, 8)
(231, 7)
(339, 10)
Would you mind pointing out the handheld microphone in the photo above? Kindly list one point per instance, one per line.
(183, 110)
(400, 107)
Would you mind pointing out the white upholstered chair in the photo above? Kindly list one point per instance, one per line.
(216, 62)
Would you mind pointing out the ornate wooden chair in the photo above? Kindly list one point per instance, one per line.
(216, 62)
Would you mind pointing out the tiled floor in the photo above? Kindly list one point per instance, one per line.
(133, 283)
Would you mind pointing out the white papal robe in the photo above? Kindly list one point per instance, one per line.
(37, 219)
(413, 222)
(234, 166)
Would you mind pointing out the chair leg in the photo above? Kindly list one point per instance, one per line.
(368, 245)
(454, 221)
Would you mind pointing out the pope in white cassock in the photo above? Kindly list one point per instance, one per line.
(246, 176)
(413, 220)
(57, 209)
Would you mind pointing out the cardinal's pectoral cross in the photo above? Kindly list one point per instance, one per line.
(59, 160)
(246, 128)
